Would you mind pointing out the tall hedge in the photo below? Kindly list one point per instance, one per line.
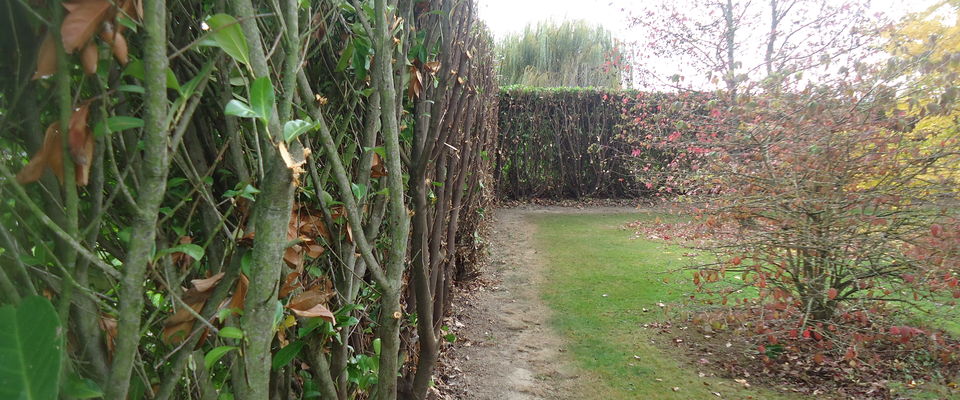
(564, 143)
(241, 199)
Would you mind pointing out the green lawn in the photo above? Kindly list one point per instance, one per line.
(598, 281)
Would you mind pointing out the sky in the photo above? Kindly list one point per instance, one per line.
(505, 17)
(510, 16)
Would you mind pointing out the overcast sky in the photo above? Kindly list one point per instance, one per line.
(505, 17)
(508, 16)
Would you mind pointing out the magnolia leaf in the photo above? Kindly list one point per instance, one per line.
(240, 109)
(31, 345)
(231, 332)
(81, 388)
(131, 89)
(262, 97)
(359, 190)
(228, 35)
(345, 58)
(295, 128)
(121, 123)
(215, 355)
(194, 251)
(287, 354)
(135, 69)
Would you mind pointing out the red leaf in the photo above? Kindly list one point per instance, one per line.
(832, 293)
(936, 230)
(851, 354)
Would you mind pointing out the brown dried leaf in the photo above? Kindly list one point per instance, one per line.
(317, 295)
(81, 143)
(46, 57)
(377, 169)
(118, 45)
(108, 325)
(48, 156)
(180, 259)
(204, 285)
(415, 88)
(432, 67)
(314, 250)
(317, 311)
(82, 22)
(89, 57)
(293, 256)
(311, 225)
(240, 293)
(290, 284)
(178, 325)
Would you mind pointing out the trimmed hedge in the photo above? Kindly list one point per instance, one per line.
(564, 143)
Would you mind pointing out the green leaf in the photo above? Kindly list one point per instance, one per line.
(361, 59)
(346, 58)
(226, 31)
(246, 263)
(262, 97)
(119, 123)
(135, 69)
(216, 354)
(190, 249)
(190, 87)
(359, 191)
(309, 325)
(277, 313)
(380, 150)
(376, 346)
(287, 354)
(327, 198)
(30, 350)
(81, 388)
(295, 128)
(131, 89)
(240, 109)
(231, 332)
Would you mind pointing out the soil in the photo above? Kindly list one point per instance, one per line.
(505, 348)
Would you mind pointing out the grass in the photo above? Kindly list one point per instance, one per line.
(598, 281)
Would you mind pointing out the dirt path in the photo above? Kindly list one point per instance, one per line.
(505, 348)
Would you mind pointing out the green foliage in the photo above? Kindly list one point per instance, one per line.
(227, 34)
(31, 347)
(571, 53)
